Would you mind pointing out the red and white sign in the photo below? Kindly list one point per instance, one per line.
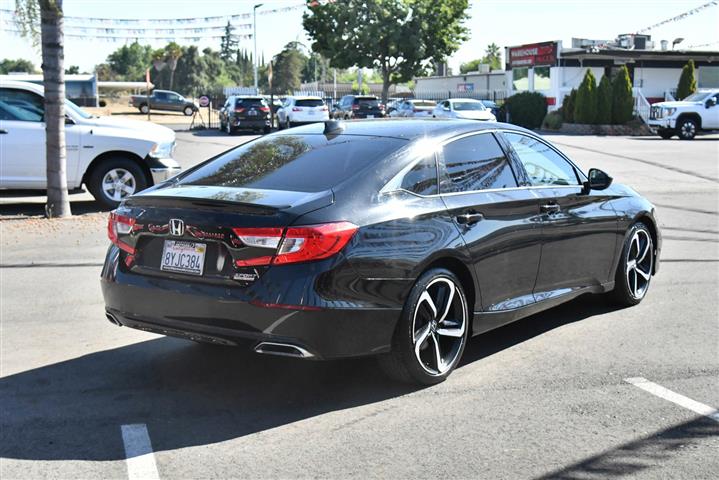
(533, 54)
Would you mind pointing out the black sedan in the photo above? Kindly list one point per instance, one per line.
(400, 239)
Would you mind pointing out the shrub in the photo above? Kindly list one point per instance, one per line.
(687, 81)
(585, 108)
(604, 101)
(553, 121)
(568, 106)
(527, 109)
(622, 100)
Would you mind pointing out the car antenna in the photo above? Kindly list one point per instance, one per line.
(333, 127)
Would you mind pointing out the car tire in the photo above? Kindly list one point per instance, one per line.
(432, 331)
(115, 179)
(666, 134)
(144, 109)
(188, 111)
(635, 268)
(687, 128)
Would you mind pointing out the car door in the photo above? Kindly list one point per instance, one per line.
(498, 219)
(579, 228)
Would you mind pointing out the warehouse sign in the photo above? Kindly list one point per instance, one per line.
(534, 54)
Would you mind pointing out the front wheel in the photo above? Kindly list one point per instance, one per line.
(636, 265)
(115, 179)
(432, 331)
(687, 128)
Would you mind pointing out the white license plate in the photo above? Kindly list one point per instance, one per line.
(370, 116)
(183, 257)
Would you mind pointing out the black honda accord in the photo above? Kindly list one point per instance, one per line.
(400, 239)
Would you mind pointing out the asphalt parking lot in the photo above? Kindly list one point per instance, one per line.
(581, 391)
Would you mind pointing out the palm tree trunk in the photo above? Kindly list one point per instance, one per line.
(53, 56)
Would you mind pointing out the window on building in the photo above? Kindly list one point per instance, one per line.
(520, 79)
(541, 78)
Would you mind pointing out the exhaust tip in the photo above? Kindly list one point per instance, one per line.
(282, 349)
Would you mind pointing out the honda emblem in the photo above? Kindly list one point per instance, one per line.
(177, 227)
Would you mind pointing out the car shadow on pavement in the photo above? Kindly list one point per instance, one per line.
(191, 394)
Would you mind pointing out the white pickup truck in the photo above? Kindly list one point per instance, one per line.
(697, 112)
(114, 158)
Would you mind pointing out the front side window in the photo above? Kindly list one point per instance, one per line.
(422, 178)
(544, 166)
(475, 163)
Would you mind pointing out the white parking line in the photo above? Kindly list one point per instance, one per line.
(138, 451)
(674, 397)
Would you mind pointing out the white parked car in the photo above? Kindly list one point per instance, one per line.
(413, 108)
(114, 158)
(466, 108)
(697, 112)
(297, 110)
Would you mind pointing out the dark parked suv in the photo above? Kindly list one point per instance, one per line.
(358, 106)
(248, 113)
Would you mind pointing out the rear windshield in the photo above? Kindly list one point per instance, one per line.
(367, 102)
(300, 163)
(250, 102)
(309, 103)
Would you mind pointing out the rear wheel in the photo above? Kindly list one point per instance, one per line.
(634, 272)
(666, 134)
(687, 128)
(432, 331)
(115, 179)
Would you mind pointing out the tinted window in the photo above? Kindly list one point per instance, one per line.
(422, 179)
(544, 166)
(309, 103)
(23, 105)
(475, 163)
(308, 163)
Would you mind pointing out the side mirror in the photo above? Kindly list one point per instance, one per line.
(712, 102)
(598, 180)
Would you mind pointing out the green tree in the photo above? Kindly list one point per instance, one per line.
(46, 18)
(17, 65)
(400, 38)
(604, 101)
(228, 43)
(687, 81)
(287, 69)
(585, 109)
(622, 99)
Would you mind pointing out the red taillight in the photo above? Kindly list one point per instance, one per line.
(264, 109)
(239, 110)
(120, 225)
(355, 107)
(295, 244)
(296, 109)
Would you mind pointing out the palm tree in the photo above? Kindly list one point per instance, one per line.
(49, 15)
(174, 52)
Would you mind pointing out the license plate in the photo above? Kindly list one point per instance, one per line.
(370, 116)
(183, 257)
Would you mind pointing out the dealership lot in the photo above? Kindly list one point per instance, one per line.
(581, 391)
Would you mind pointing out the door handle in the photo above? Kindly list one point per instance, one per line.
(550, 208)
(469, 218)
(3, 131)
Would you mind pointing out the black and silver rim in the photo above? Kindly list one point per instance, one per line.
(639, 263)
(438, 326)
(118, 183)
(688, 129)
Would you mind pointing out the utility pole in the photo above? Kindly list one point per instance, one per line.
(254, 37)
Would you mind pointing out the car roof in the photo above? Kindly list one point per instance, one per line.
(408, 129)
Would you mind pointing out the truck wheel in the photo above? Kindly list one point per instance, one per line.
(144, 108)
(115, 179)
(687, 128)
(188, 111)
(666, 134)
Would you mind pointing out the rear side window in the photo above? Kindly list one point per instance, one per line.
(309, 103)
(543, 165)
(475, 163)
(302, 163)
(422, 178)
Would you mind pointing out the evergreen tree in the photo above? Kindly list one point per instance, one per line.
(585, 109)
(604, 101)
(622, 99)
(687, 81)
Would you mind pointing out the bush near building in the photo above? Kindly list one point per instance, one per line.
(527, 109)
(585, 109)
(604, 101)
(687, 81)
(622, 100)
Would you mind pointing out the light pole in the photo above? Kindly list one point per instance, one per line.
(254, 37)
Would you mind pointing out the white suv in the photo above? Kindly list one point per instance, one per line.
(113, 158)
(699, 111)
(296, 110)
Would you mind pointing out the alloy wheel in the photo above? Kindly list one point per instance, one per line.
(438, 326)
(118, 183)
(640, 261)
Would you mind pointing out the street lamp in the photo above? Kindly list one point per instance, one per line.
(254, 37)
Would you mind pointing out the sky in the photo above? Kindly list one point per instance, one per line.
(504, 22)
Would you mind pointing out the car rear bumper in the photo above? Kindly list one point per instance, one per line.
(235, 315)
